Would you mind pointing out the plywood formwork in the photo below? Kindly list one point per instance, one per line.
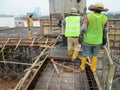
(114, 33)
(4, 43)
(46, 29)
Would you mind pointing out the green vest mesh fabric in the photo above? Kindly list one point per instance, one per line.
(72, 26)
(94, 32)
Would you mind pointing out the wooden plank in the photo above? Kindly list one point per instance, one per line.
(115, 33)
(111, 44)
(32, 42)
(55, 67)
(74, 70)
(117, 44)
(112, 30)
(5, 45)
(24, 42)
(111, 37)
(111, 22)
(110, 77)
(117, 22)
(117, 37)
(18, 44)
(97, 81)
(60, 57)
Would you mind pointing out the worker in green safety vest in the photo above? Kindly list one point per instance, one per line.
(72, 31)
(93, 34)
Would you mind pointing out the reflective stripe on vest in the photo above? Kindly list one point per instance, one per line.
(72, 26)
(94, 32)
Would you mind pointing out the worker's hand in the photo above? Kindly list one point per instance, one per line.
(80, 39)
(78, 1)
(81, 36)
(104, 40)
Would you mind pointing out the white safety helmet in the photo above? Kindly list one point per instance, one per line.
(73, 11)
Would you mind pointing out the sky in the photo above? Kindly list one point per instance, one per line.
(19, 7)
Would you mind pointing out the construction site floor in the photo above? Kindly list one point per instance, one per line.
(67, 79)
(49, 77)
(59, 50)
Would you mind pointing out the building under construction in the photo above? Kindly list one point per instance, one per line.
(42, 63)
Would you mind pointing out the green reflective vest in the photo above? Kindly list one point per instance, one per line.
(72, 26)
(94, 32)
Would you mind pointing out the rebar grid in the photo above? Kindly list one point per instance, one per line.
(67, 80)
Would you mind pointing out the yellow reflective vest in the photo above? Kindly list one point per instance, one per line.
(94, 32)
(72, 26)
(30, 22)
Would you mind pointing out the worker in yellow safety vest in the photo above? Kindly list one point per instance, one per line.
(72, 31)
(30, 26)
(93, 34)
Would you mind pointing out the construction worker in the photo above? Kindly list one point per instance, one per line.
(93, 34)
(72, 31)
(30, 26)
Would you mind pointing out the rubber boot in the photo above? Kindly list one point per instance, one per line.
(93, 63)
(82, 66)
(30, 35)
(69, 53)
(75, 54)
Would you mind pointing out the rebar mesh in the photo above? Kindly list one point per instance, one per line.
(67, 80)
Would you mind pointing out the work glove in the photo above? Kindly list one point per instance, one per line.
(81, 36)
(59, 24)
(78, 1)
(104, 38)
(80, 39)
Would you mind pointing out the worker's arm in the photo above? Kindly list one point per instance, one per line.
(106, 28)
(83, 29)
(84, 24)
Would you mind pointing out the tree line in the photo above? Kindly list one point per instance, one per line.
(112, 15)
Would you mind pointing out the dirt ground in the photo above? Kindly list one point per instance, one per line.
(7, 84)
